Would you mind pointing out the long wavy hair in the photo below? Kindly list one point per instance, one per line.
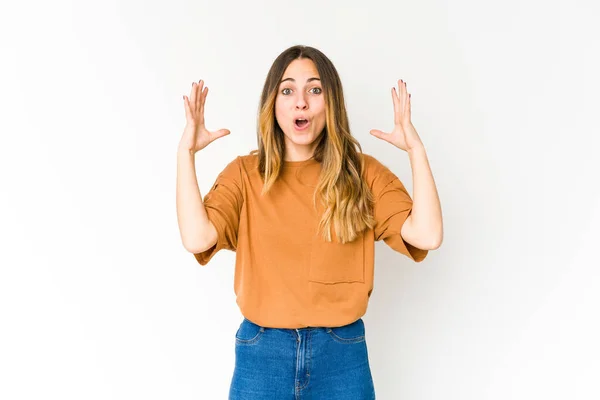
(346, 198)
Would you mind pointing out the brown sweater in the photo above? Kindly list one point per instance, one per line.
(286, 276)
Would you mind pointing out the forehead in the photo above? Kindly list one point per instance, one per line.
(301, 69)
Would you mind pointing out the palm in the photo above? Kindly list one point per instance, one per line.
(404, 136)
(204, 137)
(195, 135)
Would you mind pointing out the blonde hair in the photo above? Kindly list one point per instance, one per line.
(346, 198)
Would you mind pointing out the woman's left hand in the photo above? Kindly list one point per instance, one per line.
(404, 136)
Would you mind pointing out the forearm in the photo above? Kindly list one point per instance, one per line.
(191, 215)
(426, 216)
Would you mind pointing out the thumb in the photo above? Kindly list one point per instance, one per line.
(379, 134)
(220, 133)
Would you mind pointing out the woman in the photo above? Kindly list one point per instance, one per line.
(302, 214)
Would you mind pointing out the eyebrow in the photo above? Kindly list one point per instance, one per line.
(293, 80)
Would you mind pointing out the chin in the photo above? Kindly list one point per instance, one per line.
(302, 140)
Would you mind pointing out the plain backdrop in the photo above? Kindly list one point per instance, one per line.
(98, 297)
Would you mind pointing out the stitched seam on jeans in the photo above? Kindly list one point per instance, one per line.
(253, 340)
(307, 360)
(296, 387)
(357, 339)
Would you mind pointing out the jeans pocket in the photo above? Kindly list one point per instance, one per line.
(248, 332)
(348, 334)
(333, 262)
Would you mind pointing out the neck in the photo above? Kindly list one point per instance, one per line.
(292, 154)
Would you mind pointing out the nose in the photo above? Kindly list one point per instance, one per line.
(301, 103)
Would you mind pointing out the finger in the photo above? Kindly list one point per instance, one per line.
(402, 95)
(397, 108)
(405, 96)
(199, 87)
(204, 97)
(186, 104)
(201, 105)
(220, 133)
(378, 134)
(193, 95)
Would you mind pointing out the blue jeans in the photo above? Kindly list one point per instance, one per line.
(313, 363)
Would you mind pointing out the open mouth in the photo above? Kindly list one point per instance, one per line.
(300, 123)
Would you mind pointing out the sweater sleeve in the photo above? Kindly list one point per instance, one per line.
(223, 204)
(392, 207)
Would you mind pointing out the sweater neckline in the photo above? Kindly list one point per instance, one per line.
(295, 164)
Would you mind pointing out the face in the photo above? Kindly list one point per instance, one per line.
(300, 96)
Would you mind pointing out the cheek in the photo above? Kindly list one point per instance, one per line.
(279, 113)
(320, 106)
(321, 114)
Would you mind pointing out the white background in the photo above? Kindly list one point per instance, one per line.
(98, 297)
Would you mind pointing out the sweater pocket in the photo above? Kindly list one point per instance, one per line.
(333, 262)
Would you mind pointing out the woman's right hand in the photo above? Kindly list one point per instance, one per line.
(195, 135)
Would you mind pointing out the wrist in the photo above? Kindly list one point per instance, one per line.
(184, 150)
(419, 148)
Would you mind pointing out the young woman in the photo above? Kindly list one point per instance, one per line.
(302, 214)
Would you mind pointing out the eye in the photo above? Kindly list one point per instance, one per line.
(282, 92)
(319, 90)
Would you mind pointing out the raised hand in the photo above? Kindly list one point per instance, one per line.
(404, 136)
(195, 135)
